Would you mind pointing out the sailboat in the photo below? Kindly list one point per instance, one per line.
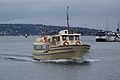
(117, 38)
(65, 45)
(108, 36)
(101, 35)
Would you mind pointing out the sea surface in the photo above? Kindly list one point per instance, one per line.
(16, 62)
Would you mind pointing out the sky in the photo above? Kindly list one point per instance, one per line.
(83, 13)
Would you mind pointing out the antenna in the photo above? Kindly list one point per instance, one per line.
(68, 24)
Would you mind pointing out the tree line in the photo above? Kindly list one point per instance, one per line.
(39, 29)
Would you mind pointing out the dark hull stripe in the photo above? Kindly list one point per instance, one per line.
(59, 48)
(35, 54)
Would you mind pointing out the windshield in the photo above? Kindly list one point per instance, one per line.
(101, 34)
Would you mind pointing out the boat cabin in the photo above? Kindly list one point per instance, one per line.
(101, 34)
(65, 39)
(62, 39)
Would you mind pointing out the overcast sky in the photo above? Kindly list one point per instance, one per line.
(83, 13)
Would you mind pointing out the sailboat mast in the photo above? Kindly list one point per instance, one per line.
(68, 24)
(106, 24)
(118, 24)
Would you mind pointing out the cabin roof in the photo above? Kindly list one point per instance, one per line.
(67, 35)
(71, 34)
(65, 32)
(39, 43)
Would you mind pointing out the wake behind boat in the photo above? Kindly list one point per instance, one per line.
(64, 45)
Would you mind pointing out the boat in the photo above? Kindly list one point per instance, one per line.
(117, 38)
(64, 45)
(26, 35)
(108, 36)
(111, 36)
(101, 36)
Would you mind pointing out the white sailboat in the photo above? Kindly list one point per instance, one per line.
(108, 36)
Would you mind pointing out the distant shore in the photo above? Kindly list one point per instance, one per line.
(38, 29)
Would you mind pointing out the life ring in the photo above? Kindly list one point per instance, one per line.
(65, 43)
(78, 43)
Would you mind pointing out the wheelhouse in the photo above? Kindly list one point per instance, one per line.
(63, 38)
(70, 37)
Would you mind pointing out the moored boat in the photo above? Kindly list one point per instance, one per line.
(101, 36)
(108, 36)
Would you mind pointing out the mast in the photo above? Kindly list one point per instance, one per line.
(106, 24)
(68, 24)
(118, 26)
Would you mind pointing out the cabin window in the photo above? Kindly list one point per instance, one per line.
(37, 47)
(64, 38)
(41, 47)
(77, 37)
(71, 37)
(56, 38)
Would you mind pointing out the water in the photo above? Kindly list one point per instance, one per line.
(16, 62)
